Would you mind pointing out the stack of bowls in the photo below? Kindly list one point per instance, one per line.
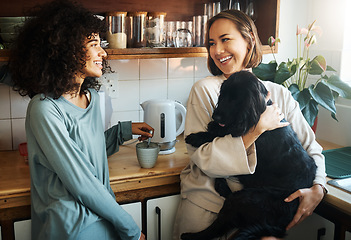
(8, 29)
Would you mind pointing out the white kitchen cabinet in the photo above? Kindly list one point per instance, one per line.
(160, 217)
(134, 209)
(309, 228)
(23, 228)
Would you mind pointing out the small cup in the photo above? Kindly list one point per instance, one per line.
(147, 155)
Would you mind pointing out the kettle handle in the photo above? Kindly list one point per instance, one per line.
(182, 110)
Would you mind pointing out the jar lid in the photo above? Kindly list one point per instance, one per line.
(115, 13)
(137, 13)
(155, 14)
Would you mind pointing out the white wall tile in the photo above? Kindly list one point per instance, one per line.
(125, 116)
(141, 116)
(200, 67)
(128, 98)
(19, 105)
(179, 89)
(151, 89)
(18, 132)
(128, 69)
(5, 112)
(5, 135)
(153, 68)
(181, 68)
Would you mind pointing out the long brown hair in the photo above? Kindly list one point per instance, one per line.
(248, 30)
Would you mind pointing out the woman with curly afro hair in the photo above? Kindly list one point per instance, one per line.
(55, 61)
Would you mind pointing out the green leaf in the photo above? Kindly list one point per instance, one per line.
(323, 96)
(310, 112)
(329, 68)
(318, 65)
(282, 73)
(295, 91)
(339, 86)
(266, 71)
(302, 97)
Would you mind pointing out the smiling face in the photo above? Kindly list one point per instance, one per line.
(94, 57)
(228, 48)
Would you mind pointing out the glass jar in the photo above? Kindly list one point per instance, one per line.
(116, 33)
(199, 30)
(171, 33)
(155, 29)
(137, 21)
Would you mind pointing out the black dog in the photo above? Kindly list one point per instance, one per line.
(283, 166)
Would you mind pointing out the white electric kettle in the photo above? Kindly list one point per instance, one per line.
(161, 115)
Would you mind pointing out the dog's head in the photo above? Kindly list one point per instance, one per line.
(241, 101)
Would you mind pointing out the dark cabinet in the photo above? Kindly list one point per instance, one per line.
(267, 21)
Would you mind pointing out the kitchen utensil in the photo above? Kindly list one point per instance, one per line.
(147, 154)
(149, 139)
(161, 115)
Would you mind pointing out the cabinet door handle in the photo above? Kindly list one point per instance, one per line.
(158, 212)
(320, 233)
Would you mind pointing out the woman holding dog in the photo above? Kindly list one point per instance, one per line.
(233, 45)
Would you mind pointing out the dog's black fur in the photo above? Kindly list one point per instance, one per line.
(283, 166)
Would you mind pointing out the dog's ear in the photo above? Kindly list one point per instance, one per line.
(241, 102)
(255, 104)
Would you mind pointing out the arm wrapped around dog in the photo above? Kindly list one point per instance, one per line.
(199, 138)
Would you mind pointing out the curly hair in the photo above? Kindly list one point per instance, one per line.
(50, 49)
(248, 31)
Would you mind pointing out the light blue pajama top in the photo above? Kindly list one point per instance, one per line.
(70, 186)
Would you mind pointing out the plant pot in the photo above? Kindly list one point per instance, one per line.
(314, 127)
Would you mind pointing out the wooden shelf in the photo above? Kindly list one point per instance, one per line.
(143, 53)
(267, 22)
(133, 53)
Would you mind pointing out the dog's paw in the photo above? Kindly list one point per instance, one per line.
(222, 187)
(187, 236)
(197, 139)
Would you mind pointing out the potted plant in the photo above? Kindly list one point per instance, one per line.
(310, 80)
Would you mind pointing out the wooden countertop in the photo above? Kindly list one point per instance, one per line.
(125, 173)
(125, 176)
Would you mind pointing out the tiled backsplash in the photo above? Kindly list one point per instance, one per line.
(138, 81)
